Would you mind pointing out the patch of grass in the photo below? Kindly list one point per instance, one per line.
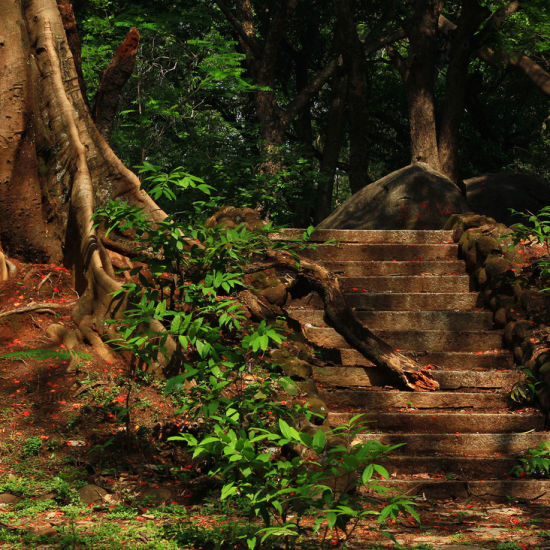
(32, 446)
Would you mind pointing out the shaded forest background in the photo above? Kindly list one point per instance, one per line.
(294, 105)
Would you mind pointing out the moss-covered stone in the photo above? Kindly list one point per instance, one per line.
(308, 387)
(318, 406)
(481, 276)
(486, 245)
(495, 265)
(522, 330)
(509, 333)
(275, 294)
(544, 370)
(500, 317)
(518, 355)
(543, 396)
(297, 369)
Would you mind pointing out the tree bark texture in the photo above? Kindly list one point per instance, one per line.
(521, 62)
(55, 166)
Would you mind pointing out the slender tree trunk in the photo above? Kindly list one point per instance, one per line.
(455, 87)
(113, 79)
(354, 64)
(331, 148)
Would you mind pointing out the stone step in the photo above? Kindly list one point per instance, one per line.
(406, 283)
(446, 422)
(462, 444)
(401, 320)
(373, 399)
(456, 360)
(419, 301)
(492, 490)
(352, 268)
(369, 236)
(448, 379)
(451, 467)
(414, 340)
(382, 251)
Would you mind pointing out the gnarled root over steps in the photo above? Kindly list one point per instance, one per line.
(404, 372)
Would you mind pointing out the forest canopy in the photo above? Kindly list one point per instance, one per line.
(294, 105)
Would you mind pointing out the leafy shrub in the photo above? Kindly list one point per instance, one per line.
(536, 229)
(534, 462)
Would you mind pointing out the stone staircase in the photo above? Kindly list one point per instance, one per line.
(410, 288)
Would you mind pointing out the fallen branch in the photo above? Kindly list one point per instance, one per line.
(43, 307)
(404, 372)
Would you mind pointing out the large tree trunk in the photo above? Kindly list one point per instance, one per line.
(55, 167)
(420, 82)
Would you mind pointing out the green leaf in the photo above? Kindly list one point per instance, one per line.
(319, 441)
(366, 476)
(228, 490)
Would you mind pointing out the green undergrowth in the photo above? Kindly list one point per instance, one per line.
(248, 427)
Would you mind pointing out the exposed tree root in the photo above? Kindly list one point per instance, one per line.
(41, 307)
(64, 337)
(405, 373)
(7, 268)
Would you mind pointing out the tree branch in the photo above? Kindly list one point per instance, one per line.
(497, 19)
(249, 43)
(299, 102)
(399, 63)
(113, 79)
(374, 44)
(522, 63)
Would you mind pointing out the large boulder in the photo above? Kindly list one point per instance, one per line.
(414, 197)
(494, 195)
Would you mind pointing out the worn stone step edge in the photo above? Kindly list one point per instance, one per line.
(354, 268)
(414, 340)
(405, 301)
(352, 377)
(382, 251)
(406, 283)
(460, 467)
(459, 444)
(490, 489)
(398, 320)
(375, 399)
(466, 360)
(447, 422)
(369, 235)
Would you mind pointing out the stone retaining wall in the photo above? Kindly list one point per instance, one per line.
(509, 286)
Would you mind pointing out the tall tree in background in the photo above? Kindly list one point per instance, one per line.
(262, 55)
(435, 35)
